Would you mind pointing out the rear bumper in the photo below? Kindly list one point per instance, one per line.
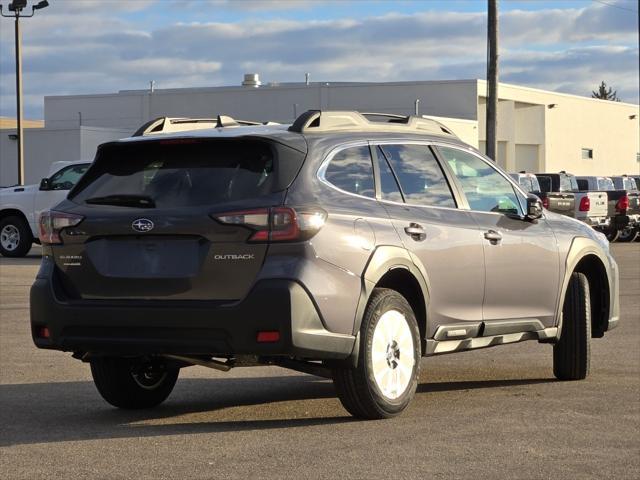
(596, 221)
(143, 327)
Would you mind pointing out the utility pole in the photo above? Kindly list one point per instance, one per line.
(492, 80)
(16, 6)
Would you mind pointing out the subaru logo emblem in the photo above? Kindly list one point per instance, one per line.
(142, 225)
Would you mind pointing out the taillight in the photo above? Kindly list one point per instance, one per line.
(51, 223)
(278, 224)
(585, 204)
(545, 202)
(622, 205)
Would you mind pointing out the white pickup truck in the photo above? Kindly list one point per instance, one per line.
(20, 206)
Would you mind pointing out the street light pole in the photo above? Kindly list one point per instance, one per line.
(19, 101)
(16, 6)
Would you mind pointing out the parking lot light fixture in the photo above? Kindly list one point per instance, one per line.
(16, 7)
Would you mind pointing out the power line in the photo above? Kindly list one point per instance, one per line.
(602, 2)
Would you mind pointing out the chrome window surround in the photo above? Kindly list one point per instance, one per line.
(520, 194)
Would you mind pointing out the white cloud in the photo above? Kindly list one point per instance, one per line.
(99, 50)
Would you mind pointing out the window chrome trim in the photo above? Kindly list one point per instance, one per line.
(320, 174)
(361, 143)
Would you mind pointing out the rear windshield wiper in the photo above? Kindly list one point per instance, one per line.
(142, 201)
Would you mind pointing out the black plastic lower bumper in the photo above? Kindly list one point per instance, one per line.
(148, 327)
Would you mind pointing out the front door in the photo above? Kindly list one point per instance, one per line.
(442, 239)
(521, 257)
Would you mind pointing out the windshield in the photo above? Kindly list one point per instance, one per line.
(178, 174)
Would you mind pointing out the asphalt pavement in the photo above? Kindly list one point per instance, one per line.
(492, 413)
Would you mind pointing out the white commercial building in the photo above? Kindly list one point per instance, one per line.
(537, 130)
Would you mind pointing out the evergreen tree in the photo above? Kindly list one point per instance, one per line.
(605, 93)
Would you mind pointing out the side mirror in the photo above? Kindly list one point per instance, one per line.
(534, 207)
(45, 184)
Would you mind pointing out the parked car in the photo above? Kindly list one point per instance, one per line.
(560, 194)
(632, 231)
(20, 206)
(338, 246)
(623, 206)
(528, 182)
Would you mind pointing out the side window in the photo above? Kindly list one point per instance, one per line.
(389, 188)
(351, 170)
(420, 176)
(66, 178)
(486, 190)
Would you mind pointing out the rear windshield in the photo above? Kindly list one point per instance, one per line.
(181, 173)
(545, 183)
(605, 184)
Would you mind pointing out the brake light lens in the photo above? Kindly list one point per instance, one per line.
(585, 204)
(622, 205)
(51, 223)
(545, 202)
(278, 224)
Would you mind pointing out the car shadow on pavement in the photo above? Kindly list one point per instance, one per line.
(74, 411)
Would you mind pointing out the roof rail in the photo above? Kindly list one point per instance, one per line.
(319, 121)
(170, 124)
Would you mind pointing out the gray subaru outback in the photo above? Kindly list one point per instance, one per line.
(345, 245)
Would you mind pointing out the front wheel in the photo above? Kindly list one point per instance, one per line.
(385, 379)
(133, 383)
(572, 353)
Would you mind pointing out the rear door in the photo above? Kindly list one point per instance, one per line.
(149, 231)
(443, 238)
(521, 257)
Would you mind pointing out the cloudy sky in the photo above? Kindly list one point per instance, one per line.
(95, 46)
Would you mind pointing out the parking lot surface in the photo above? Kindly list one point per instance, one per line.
(493, 413)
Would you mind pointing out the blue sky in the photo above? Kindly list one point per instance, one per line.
(91, 46)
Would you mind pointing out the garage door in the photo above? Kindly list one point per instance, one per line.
(527, 158)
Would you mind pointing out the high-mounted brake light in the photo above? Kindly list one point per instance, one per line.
(622, 205)
(51, 223)
(278, 224)
(545, 202)
(585, 204)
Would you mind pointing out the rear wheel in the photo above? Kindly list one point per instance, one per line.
(629, 234)
(572, 354)
(612, 234)
(15, 237)
(133, 383)
(385, 379)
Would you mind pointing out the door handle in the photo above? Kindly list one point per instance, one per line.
(493, 236)
(415, 231)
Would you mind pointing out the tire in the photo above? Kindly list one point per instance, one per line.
(611, 234)
(629, 234)
(131, 384)
(572, 354)
(15, 237)
(390, 326)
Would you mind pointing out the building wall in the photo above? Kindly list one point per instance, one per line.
(130, 109)
(43, 146)
(561, 132)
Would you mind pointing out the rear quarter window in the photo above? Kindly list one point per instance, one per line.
(351, 170)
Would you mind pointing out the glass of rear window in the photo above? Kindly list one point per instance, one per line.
(179, 174)
(351, 170)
